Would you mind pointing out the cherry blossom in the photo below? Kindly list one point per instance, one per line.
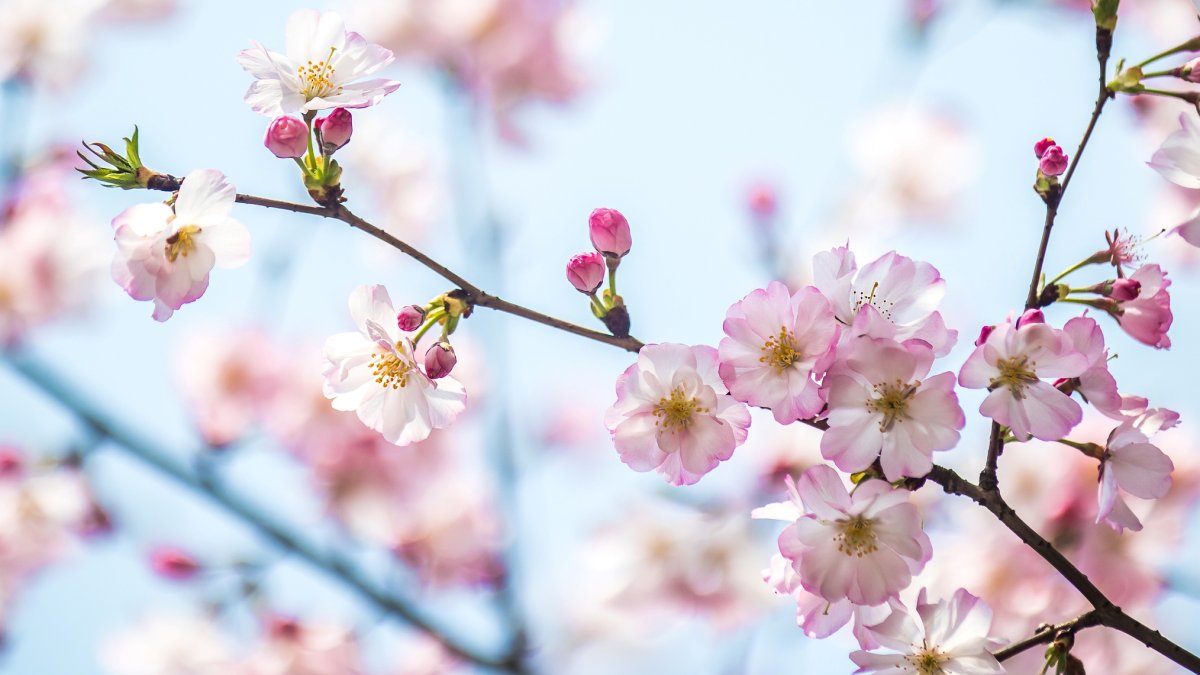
(1148, 317)
(1178, 159)
(900, 291)
(44, 41)
(1096, 384)
(864, 547)
(953, 636)
(672, 413)
(292, 647)
(883, 405)
(1010, 364)
(166, 256)
(1132, 464)
(777, 343)
(375, 373)
(175, 643)
(323, 68)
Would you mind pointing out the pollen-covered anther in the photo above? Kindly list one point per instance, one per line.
(928, 661)
(856, 536)
(182, 242)
(389, 370)
(780, 351)
(891, 399)
(1016, 373)
(675, 412)
(881, 305)
(318, 77)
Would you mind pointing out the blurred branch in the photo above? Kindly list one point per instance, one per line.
(330, 564)
(1106, 613)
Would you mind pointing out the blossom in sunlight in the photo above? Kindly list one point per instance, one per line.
(375, 373)
(228, 379)
(323, 68)
(776, 344)
(43, 42)
(1178, 158)
(890, 291)
(166, 255)
(1011, 364)
(863, 546)
(192, 644)
(1134, 465)
(882, 405)
(672, 413)
(952, 636)
(1148, 317)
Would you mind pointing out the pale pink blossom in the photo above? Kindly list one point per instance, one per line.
(323, 68)
(228, 379)
(1096, 384)
(900, 291)
(43, 42)
(1011, 365)
(177, 643)
(291, 647)
(953, 636)
(166, 255)
(882, 405)
(1148, 317)
(673, 415)
(375, 373)
(402, 175)
(863, 546)
(1178, 158)
(777, 345)
(1134, 465)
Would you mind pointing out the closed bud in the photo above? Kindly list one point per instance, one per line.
(173, 563)
(1031, 316)
(1041, 146)
(287, 137)
(410, 317)
(334, 130)
(440, 360)
(1190, 71)
(586, 272)
(610, 232)
(1124, 290)
(1053, 162)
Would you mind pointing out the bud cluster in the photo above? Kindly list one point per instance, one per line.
(611, 238)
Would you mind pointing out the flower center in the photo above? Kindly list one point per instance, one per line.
(675, 412)
(318, 77)
(892, 401)
(856, 537)
(780, 351)
(390, 370)
(928, 661)
(1016, 373)
(182, 242)
(881, 305)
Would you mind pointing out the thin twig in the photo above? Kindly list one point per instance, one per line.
(328, 563)
(1048, 634)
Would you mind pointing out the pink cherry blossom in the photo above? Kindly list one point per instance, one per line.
(177, 643)
(673, 414)
(166, 256)
(903, 292)
(44, 42)
(1053, 161)
(228, 379)
(953, 636)
(1148, 317)
(863, 546)
(1096, 384)
(882, 405)
(374, 373)
(777, 344)
(1132, 464)
(292, 647)
(1011, 365)
(323, 68)
(1178, 159)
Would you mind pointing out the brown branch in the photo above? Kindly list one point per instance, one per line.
(1046, 634)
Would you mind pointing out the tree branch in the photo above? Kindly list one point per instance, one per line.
(1046, 634)
(328, 563)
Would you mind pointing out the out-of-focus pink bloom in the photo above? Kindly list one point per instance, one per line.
(138, 10)
(1054, 161)
(422, 655)
(763, 200)
(882, 406)
(286, 137)
(1011, 365)
(672, 413)
(439, 360)
(323, 68)
(586, 271)
(1189, 230)
(159, 644)
(291, 647)
(174, 563)
(228, 379)
(899, 290)
(610, 233)
(374, 373)
(1042, 146)
(777, 343)
(1148, 317)
(166, 256)
(410, 318)
(334, 129)
(1178, 159)
(402, 175)
(1124, 290)
(953, 636)
(863, 546)
(43, 42)
(1134, 465)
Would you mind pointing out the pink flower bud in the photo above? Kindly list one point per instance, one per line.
(11, 462)
(762, 200)
(1124, 290)
(335, 129)
(173, 563)
(983, 335)
(1053, 162)
(287, 137)
(440, 360)
(1190, 71)
(410, 317)
(586, 271)
(1042, 146)
(610, 232)
(1031, 316)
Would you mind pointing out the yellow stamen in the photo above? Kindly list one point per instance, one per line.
(892, 401)
(1016, 373)
(856, 537)
(182, 242)
(390, 370)
(675, 412)
(318, 77)
(780, 351)
(928, 661)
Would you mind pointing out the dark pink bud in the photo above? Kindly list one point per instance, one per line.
(610, 232)
(12, 463)
(287, 137)
(1042, 146)
(983, 335)
(763, 200)
(283, 627)
(1053, 162)
(173, 563)
(410, 317)
(586, 272)
(335, 129)
(440, 360)
(1124, 290)
(1190, 71)
(1031, 316)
